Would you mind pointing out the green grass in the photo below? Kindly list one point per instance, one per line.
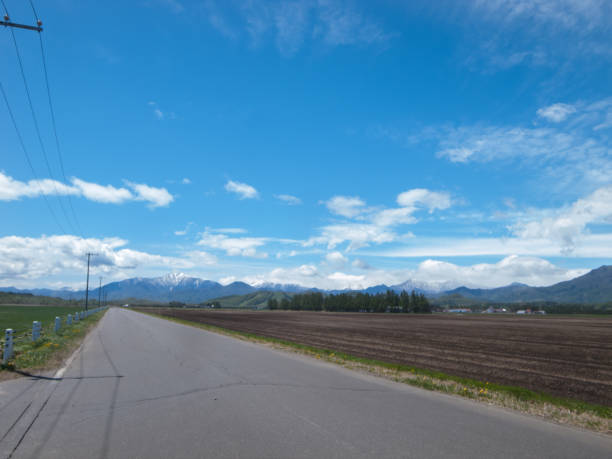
(509, 396)
(48, 351)
(20, 318)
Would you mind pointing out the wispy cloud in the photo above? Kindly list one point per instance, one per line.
(374, 225)
(557, 112)
(288, 199)
(292, 23)
(564, 143)
(159, 114)
(11, 190)
(502, 34)
(243, 190)
(346, 206)
(234, 246)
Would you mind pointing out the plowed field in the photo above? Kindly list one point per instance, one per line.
(563, 356)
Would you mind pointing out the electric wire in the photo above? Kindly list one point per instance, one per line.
(34, 10)
(29, 161)
(54, 125)
(35, 119)
(5, 8)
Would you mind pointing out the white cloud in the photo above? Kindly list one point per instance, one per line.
(199, 257)
(528, 270)
(569, 224)
(227, 280)
(430, 274)
(374, 223)
(226, 230)
(357, 234)
(556, 112)
(336, 260)
(25, 260)
(288, 199)
(577, 155)
(186, 181)
(361, 264)
(243, 190)
(102, 193)
(589, 246)
(234, 246)
(183, 232)
(346, 206)
(431, 200)
(392, 217)
(11, 189)
(494, 143)
(156, 197)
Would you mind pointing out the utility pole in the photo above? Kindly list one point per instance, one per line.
(100, 292)
(89, 255)
(7, 23)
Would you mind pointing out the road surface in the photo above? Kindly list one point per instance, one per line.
(144, 387)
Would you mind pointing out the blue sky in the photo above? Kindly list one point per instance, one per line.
(329, 143)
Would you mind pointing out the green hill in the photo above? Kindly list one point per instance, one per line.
(594, 287)
(257, 300)
(28, 298)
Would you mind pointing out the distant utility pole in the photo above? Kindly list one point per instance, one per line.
(89, 255)
(7, 23)
(100, 292)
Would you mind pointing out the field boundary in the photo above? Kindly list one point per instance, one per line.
(51, 350)
(563, 411)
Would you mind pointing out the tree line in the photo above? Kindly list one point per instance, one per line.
(389, 301)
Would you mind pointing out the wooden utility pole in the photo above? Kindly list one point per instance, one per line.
(89, 255)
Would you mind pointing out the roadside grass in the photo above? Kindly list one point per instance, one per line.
(560, 410)
(20, 318)
(48, 352)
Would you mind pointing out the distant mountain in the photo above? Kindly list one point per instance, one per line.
(593, 287)
(171, 287)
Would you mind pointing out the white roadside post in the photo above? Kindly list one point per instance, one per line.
(69, 319)
(58, 323)
(36, 330)
(8, 345)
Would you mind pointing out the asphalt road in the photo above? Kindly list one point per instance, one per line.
(143, 387)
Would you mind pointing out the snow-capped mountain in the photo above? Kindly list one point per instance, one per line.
(183, 288)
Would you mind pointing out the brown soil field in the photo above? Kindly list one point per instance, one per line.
(562, 356)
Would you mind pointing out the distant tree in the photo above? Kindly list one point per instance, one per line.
(272, 304)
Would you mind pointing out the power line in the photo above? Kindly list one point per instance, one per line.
(34, 11)
(35, 119)
(53, 123)
(29, 161)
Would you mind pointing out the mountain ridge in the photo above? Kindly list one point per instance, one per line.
(592, 287)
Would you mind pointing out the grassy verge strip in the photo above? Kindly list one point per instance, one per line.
(50, 350)
(560, 410)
